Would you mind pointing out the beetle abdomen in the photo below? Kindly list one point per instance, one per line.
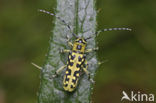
(75, 60)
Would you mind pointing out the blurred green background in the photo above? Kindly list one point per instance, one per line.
(131, 66)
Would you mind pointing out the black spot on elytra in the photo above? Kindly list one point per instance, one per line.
(84, 66)
(72, 57)
(71, 63)
(69, 71)
(76, 72)
(71, 86)
(77, 65)
(74, 81)
(66, 85)
(66, 79)
(79, 58)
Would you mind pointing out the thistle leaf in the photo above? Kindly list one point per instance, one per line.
(81, 16)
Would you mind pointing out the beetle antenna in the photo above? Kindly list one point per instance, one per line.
(108, 29)
(63, 21)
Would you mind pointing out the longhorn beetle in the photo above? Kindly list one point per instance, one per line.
(76, 58)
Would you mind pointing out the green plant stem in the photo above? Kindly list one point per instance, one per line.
(81, 16)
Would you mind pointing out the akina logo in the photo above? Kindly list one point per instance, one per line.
(137, 96)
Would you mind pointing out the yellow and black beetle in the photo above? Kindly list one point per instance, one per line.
(76, 59)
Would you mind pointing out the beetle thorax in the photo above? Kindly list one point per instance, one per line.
(79, 45)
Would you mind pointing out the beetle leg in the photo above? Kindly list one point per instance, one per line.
(90, 50)
(56, 73)
(36, 66)
(85, 67)
(59, 71)
(68, 41)
(65, 51)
